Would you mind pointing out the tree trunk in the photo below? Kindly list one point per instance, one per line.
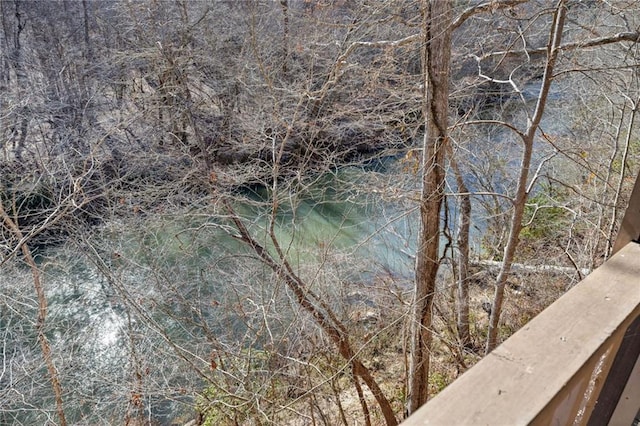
(522, 193)
(611, 232)
(320, 311)
(284, 4)
(87, 39)
(21, 81)
(462, 252)
(437, 54)
(12, 226)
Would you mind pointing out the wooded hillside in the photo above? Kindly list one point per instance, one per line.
(283, 212)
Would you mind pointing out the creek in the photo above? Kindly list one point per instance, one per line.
(136, 307)
(118, 297)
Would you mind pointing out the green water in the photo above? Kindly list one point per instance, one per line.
(119, 295)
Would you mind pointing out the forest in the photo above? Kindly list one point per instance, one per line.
(296, 212)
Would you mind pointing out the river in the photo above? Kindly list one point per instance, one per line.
(136, 302)
(139, 307)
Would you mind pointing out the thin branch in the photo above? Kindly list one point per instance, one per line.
(633, 37)
(490, 6)
(497, 122)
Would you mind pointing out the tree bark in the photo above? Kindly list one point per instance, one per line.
(462, 253)
(515, 226)
(611, 232)
(321, 313)
(284, 4)
(21, 80)
(436, 63)
(12, 226)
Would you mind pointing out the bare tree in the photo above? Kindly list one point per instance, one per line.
(462, 255)
(220, 198)
(522, 189)
(42, 313)
(437, 33)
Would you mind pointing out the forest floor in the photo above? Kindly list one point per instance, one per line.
(525, 296)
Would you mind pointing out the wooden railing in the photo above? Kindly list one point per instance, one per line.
(576, 363)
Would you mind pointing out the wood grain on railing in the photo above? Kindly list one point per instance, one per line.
(552, 370)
